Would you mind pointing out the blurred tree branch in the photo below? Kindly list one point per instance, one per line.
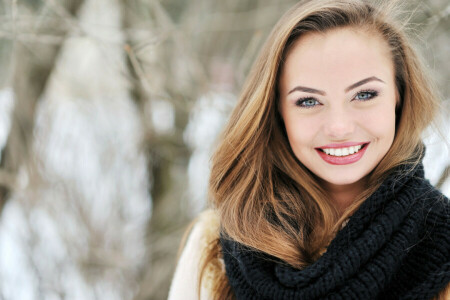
(32, 65)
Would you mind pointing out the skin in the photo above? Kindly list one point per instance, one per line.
(331, 62)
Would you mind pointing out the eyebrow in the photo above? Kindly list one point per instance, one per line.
(351, 87)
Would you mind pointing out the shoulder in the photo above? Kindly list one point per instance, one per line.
(208, 224)
(436, 212)
(185, 281)
(435, 204)
(426, 197)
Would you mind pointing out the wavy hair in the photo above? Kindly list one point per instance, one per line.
(265, 198)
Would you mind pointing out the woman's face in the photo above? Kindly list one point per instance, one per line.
(337, 100)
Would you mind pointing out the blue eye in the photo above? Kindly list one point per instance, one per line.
(307, 102)
(366, 95)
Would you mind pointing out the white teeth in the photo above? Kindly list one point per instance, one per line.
(342, 151)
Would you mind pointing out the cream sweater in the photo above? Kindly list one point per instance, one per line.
(185, 281)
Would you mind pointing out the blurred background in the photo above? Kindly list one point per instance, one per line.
(109, 112)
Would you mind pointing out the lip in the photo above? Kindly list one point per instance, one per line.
(342, 145)
(343, 160)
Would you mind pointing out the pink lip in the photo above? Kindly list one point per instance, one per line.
(342, 160)
(342, 145)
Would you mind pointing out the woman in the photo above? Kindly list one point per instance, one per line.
(317, 187)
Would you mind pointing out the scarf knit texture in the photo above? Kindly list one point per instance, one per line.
(395, 246)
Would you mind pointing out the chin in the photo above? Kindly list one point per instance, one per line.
(343, 179)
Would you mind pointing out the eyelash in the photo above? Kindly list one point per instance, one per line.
(372, 94)
(301, 101)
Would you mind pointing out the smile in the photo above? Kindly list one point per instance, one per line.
(342, 151)
(342, 154)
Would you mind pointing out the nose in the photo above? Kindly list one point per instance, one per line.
(339, 124)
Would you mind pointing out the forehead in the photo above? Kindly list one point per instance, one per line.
(337, 56)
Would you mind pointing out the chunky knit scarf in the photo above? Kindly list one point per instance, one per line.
(395, 246)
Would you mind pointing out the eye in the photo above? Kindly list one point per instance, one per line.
(307, 102)
(365, 95)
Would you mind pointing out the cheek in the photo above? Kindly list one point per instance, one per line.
(380, 123)
(301, 131)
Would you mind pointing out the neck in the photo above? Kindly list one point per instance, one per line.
(343, 196)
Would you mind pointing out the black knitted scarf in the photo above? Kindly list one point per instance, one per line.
(395, 246)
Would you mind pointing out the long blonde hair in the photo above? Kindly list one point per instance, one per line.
(265, 198)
